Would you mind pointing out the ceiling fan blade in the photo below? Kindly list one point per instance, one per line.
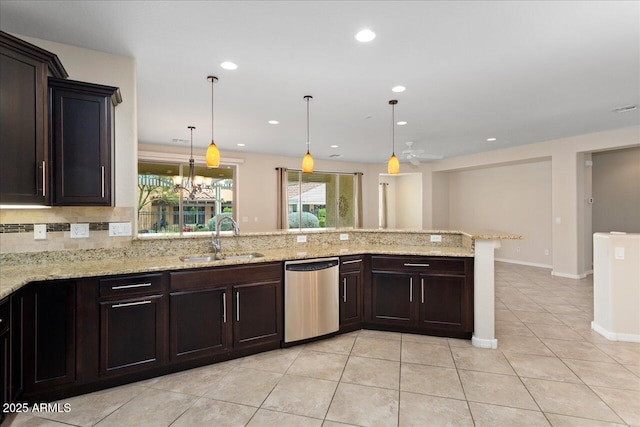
(414, 161)
(431, 157)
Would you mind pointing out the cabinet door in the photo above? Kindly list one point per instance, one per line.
(81, 142)
(257, 314)
(5, 368)
(444, 302)
(23, 126)
(49, 331)
(199, 323)
(131, 335)
(392, 298)
(350, 297)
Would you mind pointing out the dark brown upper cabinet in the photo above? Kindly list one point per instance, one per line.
(82, 135)
(24, 155)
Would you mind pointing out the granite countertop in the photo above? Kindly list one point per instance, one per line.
(13, 278)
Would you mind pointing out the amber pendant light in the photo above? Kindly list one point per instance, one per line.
(393, 166)
(213, 154)
(307, 160)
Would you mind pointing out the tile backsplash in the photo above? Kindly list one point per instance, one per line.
(16, 228)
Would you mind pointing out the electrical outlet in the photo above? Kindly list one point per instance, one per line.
(79, 231)
(40, 231)
(302, 239)
(436, 238)
(546, 251)
(517, 248)
(344, 236)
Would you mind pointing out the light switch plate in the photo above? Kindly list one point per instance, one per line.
(40, 231)
(79, 231)
(302, 239)
(619, 252)
(436, 238)
(119, 229)
(344, 236)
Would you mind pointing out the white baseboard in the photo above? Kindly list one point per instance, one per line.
(613, 336)
(569, 276)
(530, 264)
(484, 343)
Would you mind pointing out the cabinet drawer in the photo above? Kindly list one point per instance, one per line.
(418, 264)
(214, 277)
(351, 263)
(143, 284)
(4, 315)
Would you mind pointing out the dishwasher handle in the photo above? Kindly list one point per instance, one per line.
(312, 266)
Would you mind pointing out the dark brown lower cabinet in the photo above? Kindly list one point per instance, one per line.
(198, 325)
(257, 314)
(49, 335)
(392, 298)
(444, 302)
(5, 353)
(351, 276)
(131, 334)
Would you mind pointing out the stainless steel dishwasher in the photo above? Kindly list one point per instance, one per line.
(311, 298)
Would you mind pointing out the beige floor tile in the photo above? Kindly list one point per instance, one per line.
(26, 420)
(433, 380)
(382, 335)
(88, 409)
(491, 415)
(481, 359)
(336, 424)
(569, 399)
(526, 345)
(421, 410)
(604, 374)
(341, 344)
(207, 412)
(326, 366)
(364, 406)
(376, 348)
(634, 368)
(372, 372)
(543, 367)
(309, 397)
(559, 332)
(625, 353)
(244, 386)
(150, 408)
(272, 361)
(426, 354)
(580, 350)
(625, 403)
(504, 390)
(567, 421)
(512, 328)
(265, 418)
(505, 316)
(536, 317)
(194, 381)
(456, 342)
(562, 309)
(425, 339)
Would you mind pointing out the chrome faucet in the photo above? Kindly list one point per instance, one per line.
(215, 243)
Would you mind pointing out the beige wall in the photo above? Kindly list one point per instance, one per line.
(616, 190)
(409, 201)
(516, 198)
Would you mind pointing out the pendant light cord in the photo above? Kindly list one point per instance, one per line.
(307, 98)
(393, 129)
(213, 79)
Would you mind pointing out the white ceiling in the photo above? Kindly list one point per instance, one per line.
(519, 71)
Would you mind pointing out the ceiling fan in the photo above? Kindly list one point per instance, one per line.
(415, 155)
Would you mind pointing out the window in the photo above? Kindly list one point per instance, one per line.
(319, 199)
(163, 210)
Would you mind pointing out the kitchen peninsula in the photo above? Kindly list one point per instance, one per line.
(164, 293)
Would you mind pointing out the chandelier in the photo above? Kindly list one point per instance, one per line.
(195, 186)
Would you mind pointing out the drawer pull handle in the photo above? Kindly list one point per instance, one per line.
(411, 289)
(131, 286)
(129, 304)
(410, 264)
(102, 168)
(224, 307)
(422, 289)
(44, 179)
(353, 261)
(344, 289)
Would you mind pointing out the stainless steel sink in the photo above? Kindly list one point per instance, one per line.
(212, 257)
(244, 256)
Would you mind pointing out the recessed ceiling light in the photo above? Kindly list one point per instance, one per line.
(365, 36)
(228, 65)
(625, 109)
(240, 145)
(401, 123)
(491, 139)
(273, 122)
(334, 146)
(398, 89)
